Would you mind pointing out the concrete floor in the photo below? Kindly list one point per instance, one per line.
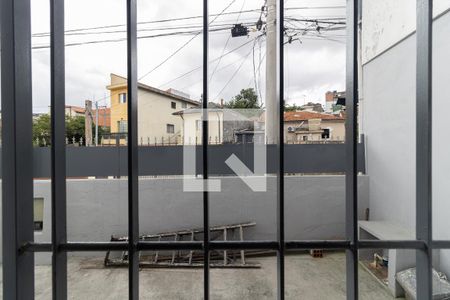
(306, 278)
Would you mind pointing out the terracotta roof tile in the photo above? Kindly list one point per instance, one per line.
(307, 115)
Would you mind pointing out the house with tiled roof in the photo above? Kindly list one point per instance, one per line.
(156, 121)
(301, 126)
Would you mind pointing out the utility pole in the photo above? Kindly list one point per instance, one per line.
(88, 122)
(271, 73)
(96, 123)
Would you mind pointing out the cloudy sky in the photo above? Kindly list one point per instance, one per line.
(314, 60)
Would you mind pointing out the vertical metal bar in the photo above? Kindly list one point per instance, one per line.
(133, 184)
(241, 237)
(191, 252)
(58, 149)
(423, 147)
(351, 175)
(157, 252)
(205, 153)
(225, 258)
(17, 154)
(280, 145)
(174, 252)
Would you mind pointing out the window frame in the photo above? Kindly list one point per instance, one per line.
(122, 126)
(18, 241)
(122, 98)
(198, 125)
(172, 126)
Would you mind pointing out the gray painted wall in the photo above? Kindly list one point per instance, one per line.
(389, 128)
(97, 208)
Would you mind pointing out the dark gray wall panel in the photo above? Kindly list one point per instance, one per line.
(168, 160)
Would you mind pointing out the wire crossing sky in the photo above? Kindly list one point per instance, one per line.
(169, 52)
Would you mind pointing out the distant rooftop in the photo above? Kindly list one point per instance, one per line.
(292, 116)
(118, 81)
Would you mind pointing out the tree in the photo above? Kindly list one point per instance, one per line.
(247, 98)
(74, 129)
(41, 130)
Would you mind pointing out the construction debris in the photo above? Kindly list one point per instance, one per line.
(181, 258)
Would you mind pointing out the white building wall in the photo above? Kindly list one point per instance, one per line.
(154, 113)
(389, 112)
(387, 22)
(192, 133)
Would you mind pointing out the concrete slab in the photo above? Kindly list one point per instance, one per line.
(306, 278)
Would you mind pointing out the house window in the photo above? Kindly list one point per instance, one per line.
(198, 125)
(170, 128)
(183, 105)
(38, 212)
(326, 133)
(122, 98)
(173, 104)
(122, 126)
(305, 138)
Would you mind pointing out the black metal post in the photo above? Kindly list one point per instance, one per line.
(58, 150)
(351, 174)
(133, 184)
(424, 147)
(205, 152)
(280, 145)
(17, 152)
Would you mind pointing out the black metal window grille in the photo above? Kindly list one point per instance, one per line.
(18, 244)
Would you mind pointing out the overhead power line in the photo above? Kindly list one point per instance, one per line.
(316, 7)
(114, 40)
(193, 70)
(179, 33)
(234, 74)
(218, 70)
(185, 44)
(155, 21)
(256, 10)
(168, 57)
(185, 26)
(199, 67)
(319, 21)
(226, 43)
(217, 58)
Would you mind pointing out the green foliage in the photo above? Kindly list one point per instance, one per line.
(41, 130)
(247, 98)
(74, 129)
(337, 107)
(292, 107)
